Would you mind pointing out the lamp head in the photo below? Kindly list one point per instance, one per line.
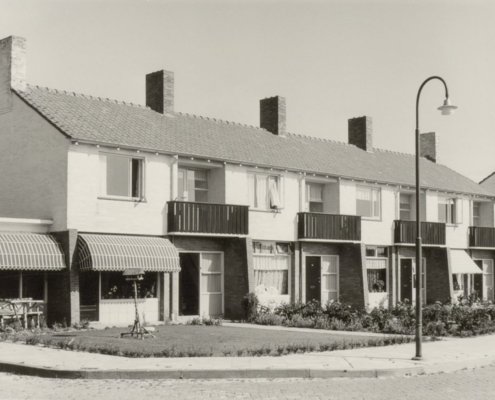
(447, 108)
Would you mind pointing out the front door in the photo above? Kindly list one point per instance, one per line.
(189, 284)
(483, 283)
(406, 284)
(313, 278)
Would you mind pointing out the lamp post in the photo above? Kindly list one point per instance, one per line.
(446, 109)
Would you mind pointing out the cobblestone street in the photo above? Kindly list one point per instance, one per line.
(472, 384)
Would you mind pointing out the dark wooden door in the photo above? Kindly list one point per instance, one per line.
(313, 278)
(189, 284)
(406, 284)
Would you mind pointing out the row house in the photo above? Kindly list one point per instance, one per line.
(212, 210)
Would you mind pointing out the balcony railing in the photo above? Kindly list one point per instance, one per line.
(481, 236)
(207, 218)
(329, 226)
(431, 232)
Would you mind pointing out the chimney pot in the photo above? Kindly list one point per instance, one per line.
(428, 146)
(272, 115)
(360, 132)
(12, 69)
(160, 91)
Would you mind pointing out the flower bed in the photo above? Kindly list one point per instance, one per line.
(466, 318)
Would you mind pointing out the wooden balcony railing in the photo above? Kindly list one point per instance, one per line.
(481, 236)
(431, 232)
(329, 226)
(189, 217)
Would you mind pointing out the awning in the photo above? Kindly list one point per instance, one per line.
(461, 263)
(120, 252)
(30, 251)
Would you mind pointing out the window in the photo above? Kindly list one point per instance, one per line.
(405, 207)
(449, 210)
(329, 279)
(314, 197)
(265, 191)
(376, 268)
(211, 284)
(271, 263)
(368, 202)
(121, 176)
(115, 286)
(476, 213)
(193, 185)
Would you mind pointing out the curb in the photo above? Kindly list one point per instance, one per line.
(46, 372)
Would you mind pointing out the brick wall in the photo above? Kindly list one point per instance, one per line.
(351, 286)
(437, 271)
(238, 272)
(63, 294)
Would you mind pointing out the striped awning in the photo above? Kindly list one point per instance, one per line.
(30, 251)
(120, 252)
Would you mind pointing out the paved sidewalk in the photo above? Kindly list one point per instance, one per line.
(442, 356)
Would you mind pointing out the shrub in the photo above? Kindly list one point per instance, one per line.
(250, 304)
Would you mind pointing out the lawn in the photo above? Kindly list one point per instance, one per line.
(203, 341)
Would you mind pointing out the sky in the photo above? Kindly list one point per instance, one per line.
(331, 60)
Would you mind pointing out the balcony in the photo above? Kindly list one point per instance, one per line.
(432, 233)
(481, 236)
(207, 218)
(329, 226)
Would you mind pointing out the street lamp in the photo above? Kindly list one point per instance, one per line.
(446, 109)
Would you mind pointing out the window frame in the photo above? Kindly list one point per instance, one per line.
(308, 200)
(103, 188)
(274, 246)
(252, 194)
(384, 258)
(180, 196)
(371, 189)
(402, 209)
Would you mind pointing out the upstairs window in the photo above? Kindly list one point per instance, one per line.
(476, 213)
(121, 176)
(405, 207)
(368, 202)
(265, 191)
(193, 185)
(449, 210)
(314, 197)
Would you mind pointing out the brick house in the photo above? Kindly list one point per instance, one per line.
(212, 209)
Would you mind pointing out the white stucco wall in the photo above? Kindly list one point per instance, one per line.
(265, 225)
(87, 211)
(381, 231)
(457, 234)
(33, 165)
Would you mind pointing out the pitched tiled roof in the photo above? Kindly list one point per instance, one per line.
(87, 118)
(489, 183)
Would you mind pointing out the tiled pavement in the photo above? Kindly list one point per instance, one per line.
(466, 384)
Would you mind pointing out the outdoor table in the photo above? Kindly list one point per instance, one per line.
(22, 308)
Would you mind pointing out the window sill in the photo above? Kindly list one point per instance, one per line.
(372, 219)
(272, 211)
(128, 199)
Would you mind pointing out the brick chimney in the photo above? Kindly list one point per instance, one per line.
(360, 132)
(428, 146)
(12, 68)
(272, 115)
(160, 91)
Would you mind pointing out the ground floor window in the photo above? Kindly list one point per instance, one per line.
(114, 286)
(271, 262)
(376, 268)
(329, 278)
(485, 284)
(25, 284)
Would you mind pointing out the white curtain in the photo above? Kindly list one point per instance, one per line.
(271, 273)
